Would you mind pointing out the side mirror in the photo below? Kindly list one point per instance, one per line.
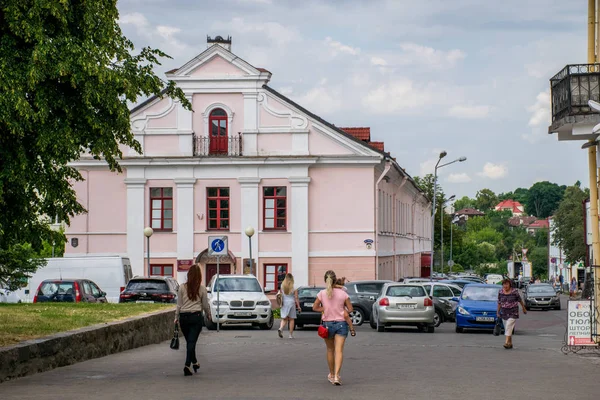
(454, 299)
(102, 294)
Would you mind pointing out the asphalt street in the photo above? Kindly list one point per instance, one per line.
(243, 363)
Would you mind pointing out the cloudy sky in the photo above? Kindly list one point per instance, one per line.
(467, 76)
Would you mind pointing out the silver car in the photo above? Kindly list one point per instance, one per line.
(403, 304)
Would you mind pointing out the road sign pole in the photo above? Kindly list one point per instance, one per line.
(218, 295)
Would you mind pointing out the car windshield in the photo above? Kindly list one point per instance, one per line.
(479, 293)
(51, 288)
(147, 284)
(238, 285)
(406, 290)
(309, 292)
(541, 289)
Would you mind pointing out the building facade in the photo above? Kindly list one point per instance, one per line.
(318, 197)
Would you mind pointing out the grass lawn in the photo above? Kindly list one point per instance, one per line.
(20, 322)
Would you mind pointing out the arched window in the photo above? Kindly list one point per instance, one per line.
(217, 123)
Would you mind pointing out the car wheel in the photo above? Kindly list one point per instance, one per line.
(268, 325)
(210, 325)
(372, 322)
(430, 329)
(357, 316)
(380, 328)
(437, 319)
(459, 330)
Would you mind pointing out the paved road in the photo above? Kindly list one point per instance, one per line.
(403, 363)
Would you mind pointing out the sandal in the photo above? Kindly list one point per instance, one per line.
(352, 332)
(337, 381)
(330, 378)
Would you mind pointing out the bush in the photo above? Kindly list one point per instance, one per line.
(277, 313)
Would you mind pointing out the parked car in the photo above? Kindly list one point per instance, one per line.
(362, 295)
(69, 291)
(154, 289)
(475, 279)
(541, 295)
(457, 282)
(403, 304)
(111, 273)
(306, 297)
(477, 307)
(493, 279)
(241, 301)
(523, 281)
(446, 295)
(8, 296)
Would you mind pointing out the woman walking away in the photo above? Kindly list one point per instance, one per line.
(332, 302)
(289, 305)
(508, 309)
(573, 287)
(191, 301)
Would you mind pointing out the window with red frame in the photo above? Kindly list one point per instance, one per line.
(218, 208)
(161, 209)
(274, 275)
(161, 270)
(275, 208)
(218, 132)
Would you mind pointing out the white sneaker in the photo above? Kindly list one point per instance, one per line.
(291, 337)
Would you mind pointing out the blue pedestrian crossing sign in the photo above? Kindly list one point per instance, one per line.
(217, 246)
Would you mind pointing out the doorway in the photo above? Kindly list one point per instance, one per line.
(211, 270)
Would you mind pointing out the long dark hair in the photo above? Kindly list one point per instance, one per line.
(194, 279)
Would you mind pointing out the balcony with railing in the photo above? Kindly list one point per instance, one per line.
(218, 146)
(571, 89)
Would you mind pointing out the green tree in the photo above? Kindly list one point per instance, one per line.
(569, 224)
(464, 202)
(543, 199)
(539, 261)
(67, 76)
(486, 200)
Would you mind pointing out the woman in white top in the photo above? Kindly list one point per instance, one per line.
(289, 305)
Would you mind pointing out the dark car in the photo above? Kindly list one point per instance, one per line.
(444, 311)
(541, 295)
(306, 297)
(155, 289)
(362, 295)
(69, 291)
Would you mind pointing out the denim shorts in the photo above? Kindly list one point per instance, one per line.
(337, 328)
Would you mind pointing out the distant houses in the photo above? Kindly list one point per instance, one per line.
(462, 216)
(513, 206)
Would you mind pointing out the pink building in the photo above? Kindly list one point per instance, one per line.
(317, 196)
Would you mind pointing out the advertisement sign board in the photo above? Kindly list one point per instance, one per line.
(579, 323)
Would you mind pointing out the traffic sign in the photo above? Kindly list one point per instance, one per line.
(217, 246)
(450, 263)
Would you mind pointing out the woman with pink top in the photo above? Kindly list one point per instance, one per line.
(332, 302)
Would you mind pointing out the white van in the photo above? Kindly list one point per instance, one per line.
(110, 273)
(493, 279)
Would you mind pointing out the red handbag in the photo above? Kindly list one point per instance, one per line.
(323, 331)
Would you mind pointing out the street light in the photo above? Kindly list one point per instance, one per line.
(437, 165)
(442, 230)
(250, 233)
(148, 232)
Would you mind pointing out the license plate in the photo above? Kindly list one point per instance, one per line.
(309, 304)
(242, 314)
(406, 305)
(485, 319)
(144, 301)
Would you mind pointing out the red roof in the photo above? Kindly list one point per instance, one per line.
(363, 134)
(540, 224)
(469, 211)
(377, 145)
(172, 71)
(515, 206)
(263, 70)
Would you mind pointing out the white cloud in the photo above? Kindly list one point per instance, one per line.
(274, 32)
(256, 1)
(427, 167)
(378, 61)
(459, 178)
(469, 112)
(398, 96)
(338, 47)
(494, 171)
(286, 90)
(423, 55)
(163, 34)
(539, 119)
(321, 99)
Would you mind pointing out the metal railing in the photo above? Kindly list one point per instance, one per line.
(572, 88)
(229, 146)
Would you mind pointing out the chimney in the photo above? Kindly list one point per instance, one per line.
(218, 40)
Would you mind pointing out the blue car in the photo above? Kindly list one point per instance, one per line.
(477, 307)
(458, 282)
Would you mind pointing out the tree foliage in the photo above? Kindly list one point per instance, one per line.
(486, 200)
(543, 199)
(465, 202)
(67, 74)
(569, 231)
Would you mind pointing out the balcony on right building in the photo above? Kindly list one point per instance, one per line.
(570, 91)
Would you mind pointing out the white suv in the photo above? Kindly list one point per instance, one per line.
(242, 301)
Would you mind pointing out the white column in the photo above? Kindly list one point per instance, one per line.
(250, 199)
(299, 222)
(184, 128)
(135, 223)
(185, 221)
(249, 136)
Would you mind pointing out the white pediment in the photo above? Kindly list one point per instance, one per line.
(214, 62)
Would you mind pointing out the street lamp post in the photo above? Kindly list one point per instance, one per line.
(442, 231)
(437, 166)
(250, 233)
(148, 232)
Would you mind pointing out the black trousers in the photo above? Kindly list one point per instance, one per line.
(191, 326)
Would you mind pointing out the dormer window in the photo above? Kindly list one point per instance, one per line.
(217, 123)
